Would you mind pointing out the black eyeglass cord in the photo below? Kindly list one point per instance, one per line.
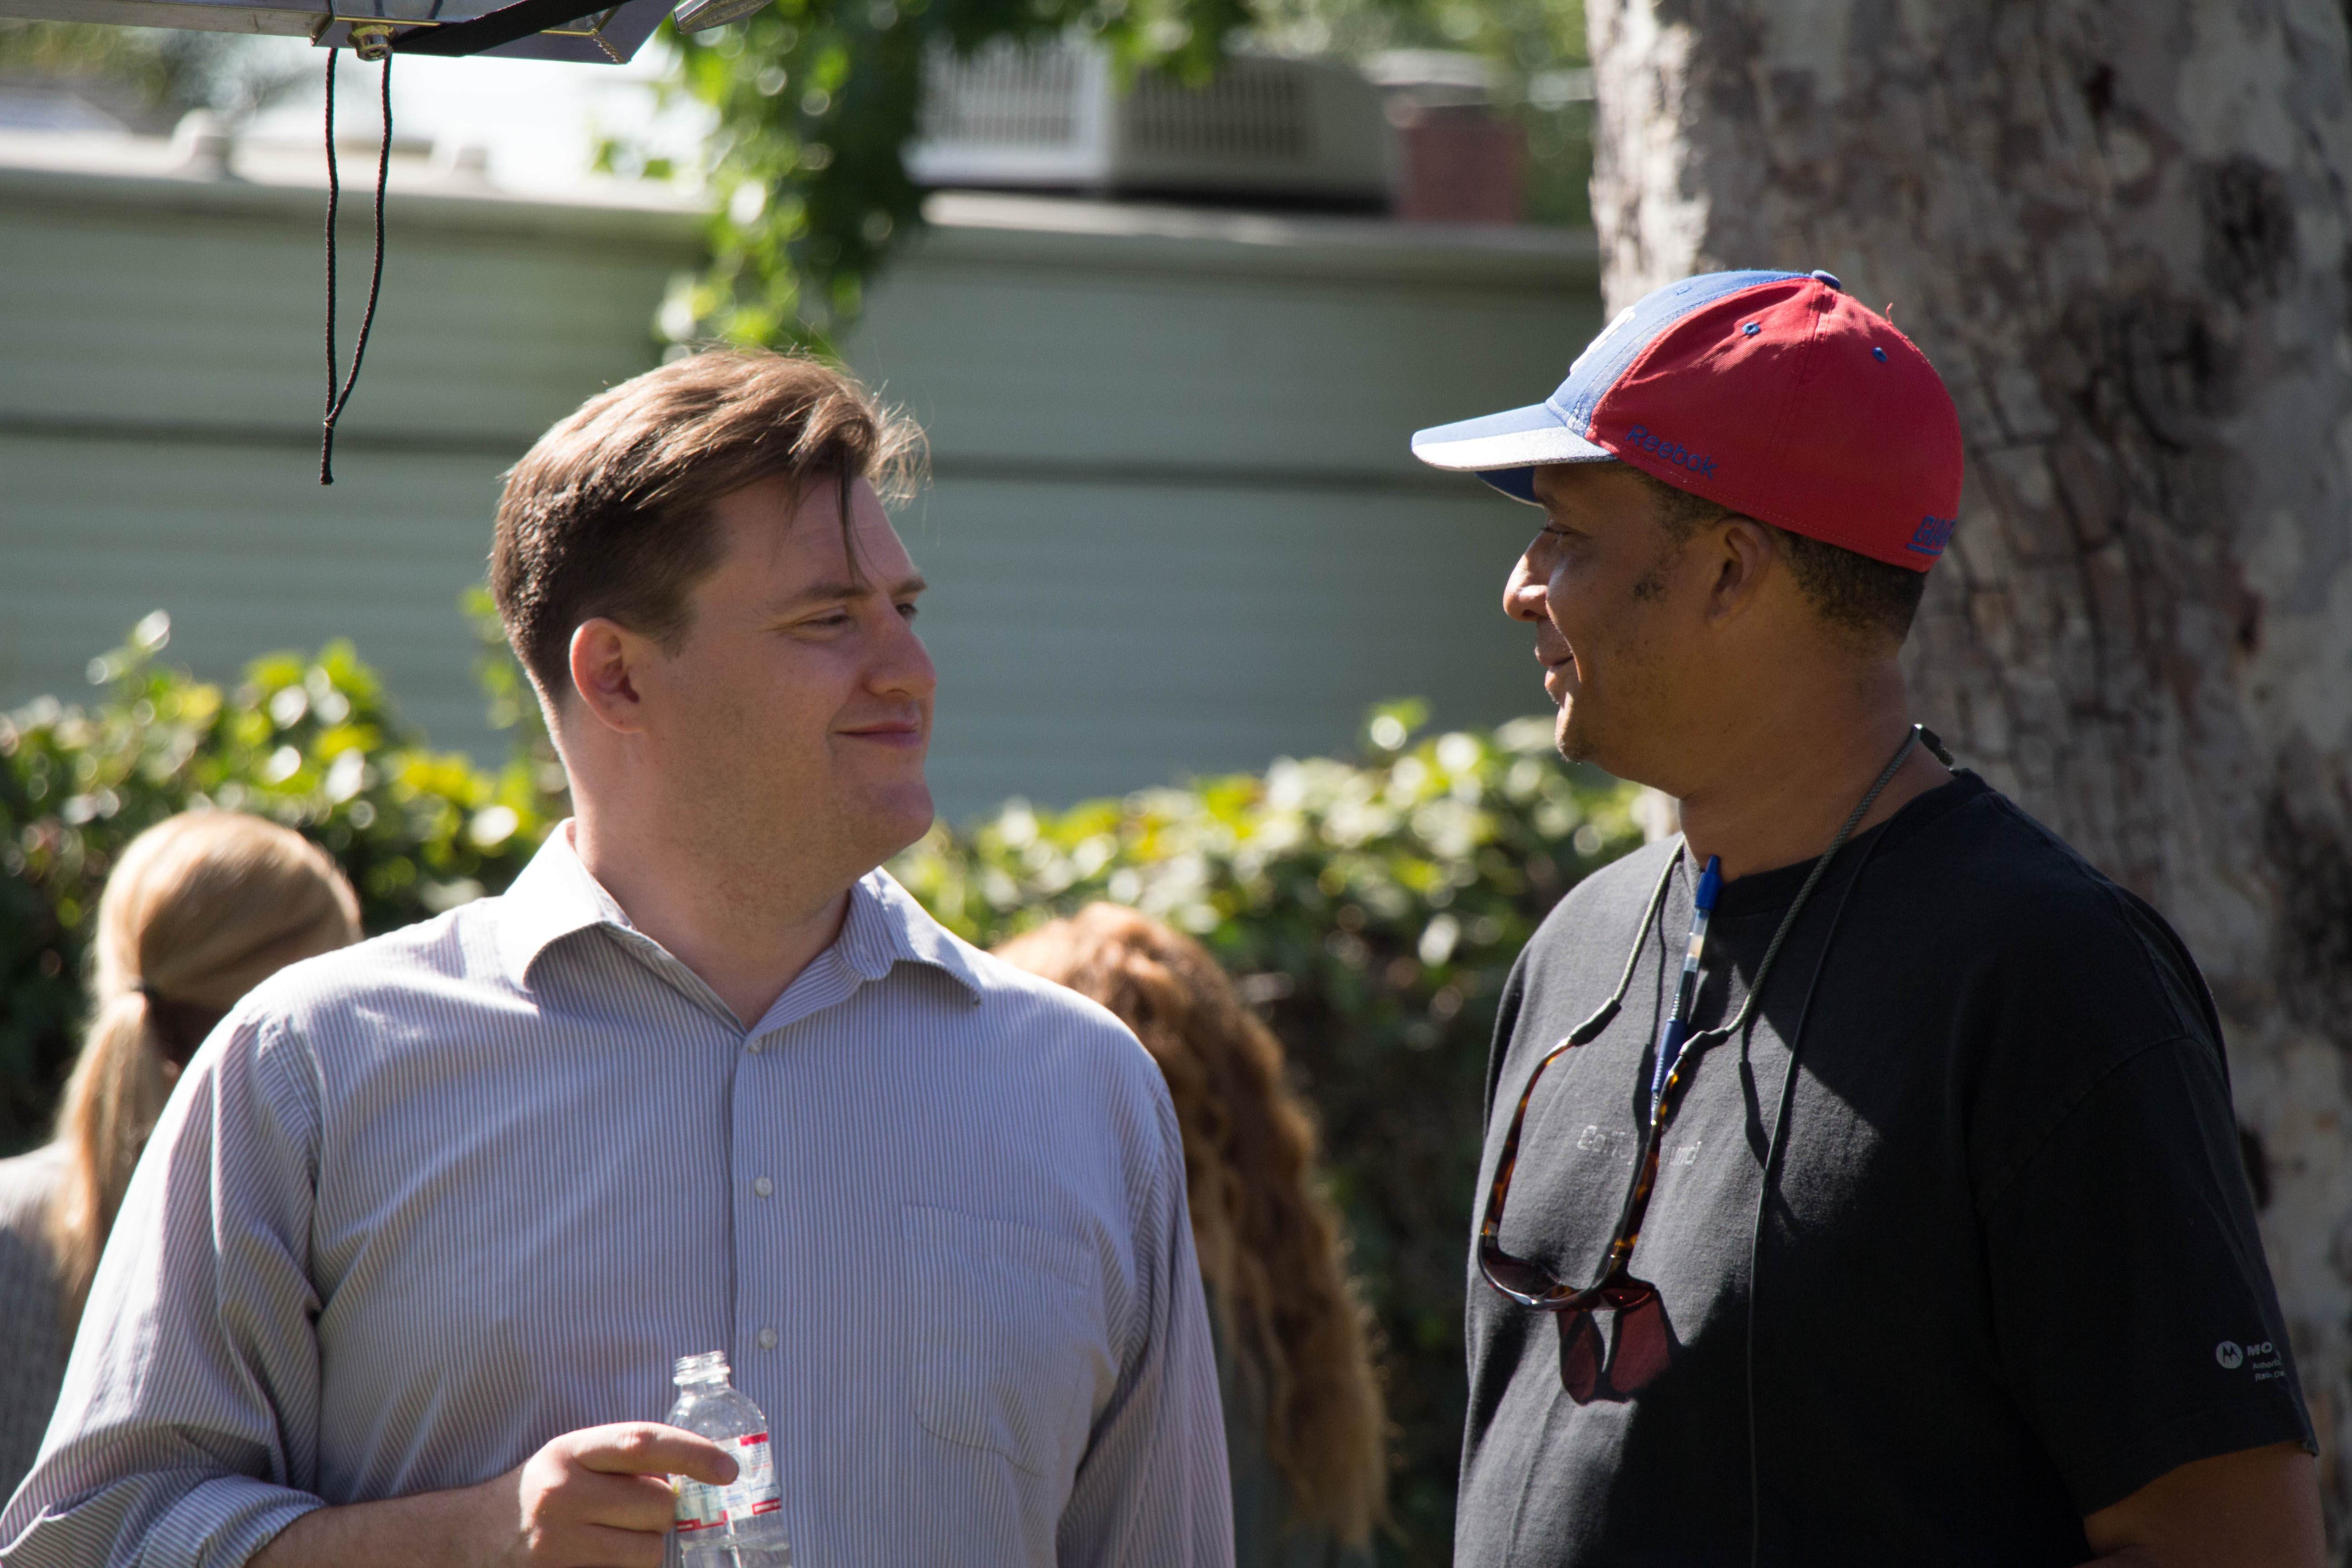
(1797, 907)
(336, 399)
(1589, 1030)
(1774, 1147)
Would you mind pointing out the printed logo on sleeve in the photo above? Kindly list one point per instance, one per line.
(2263, 1358)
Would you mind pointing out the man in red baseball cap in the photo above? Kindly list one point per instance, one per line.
(1897, 1214)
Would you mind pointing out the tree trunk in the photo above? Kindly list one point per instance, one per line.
(2121, 234)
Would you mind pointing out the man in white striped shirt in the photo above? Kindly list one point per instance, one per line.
(402, 1277)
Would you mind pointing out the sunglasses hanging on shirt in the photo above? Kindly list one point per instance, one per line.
(1614, 1285)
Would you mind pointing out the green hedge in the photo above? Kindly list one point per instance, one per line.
(1370, 908)
(309, 742)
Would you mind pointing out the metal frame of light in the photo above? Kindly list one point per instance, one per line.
(608, 36)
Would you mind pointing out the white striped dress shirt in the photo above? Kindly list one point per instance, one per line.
(420, 1205)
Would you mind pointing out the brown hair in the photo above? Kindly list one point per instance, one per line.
(199, 910)
(1269, 1242)
(609, 513)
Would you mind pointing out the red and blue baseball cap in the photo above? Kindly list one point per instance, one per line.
(1773, 394)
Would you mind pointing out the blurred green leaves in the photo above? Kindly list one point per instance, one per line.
(309, 740)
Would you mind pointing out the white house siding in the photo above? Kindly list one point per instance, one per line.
(162, 373)
(1174, 528)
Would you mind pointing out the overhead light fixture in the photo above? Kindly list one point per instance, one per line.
(695, 15)
(606, 34)
(376, 30)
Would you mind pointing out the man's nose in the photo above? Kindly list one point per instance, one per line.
(1523, 595)
(904, 667)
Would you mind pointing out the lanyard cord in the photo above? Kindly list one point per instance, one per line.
(1585, 1033)
(1774, 1148)
(1777, 1144)
(1603, 1015)
(336, 399)
(1707, 1037)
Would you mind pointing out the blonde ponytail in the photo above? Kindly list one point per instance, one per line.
(199, 910)
(111, 1101)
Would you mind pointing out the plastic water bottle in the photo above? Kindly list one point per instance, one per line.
(734, 1526)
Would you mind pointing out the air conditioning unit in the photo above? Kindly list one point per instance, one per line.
(1052, 117)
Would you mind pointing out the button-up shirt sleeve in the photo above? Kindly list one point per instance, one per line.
(188, 1430)
(426, 1203)
(1154, 1486)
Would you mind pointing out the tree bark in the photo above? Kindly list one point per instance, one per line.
(2121, 234)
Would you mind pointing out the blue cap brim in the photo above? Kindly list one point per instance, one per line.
(1505, 449)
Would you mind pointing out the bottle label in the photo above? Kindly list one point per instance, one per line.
(701, 1506)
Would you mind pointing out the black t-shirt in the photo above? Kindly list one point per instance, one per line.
(2007, 1272)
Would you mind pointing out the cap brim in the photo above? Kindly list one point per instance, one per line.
(1505, 449)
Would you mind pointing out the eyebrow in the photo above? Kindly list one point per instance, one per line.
(842, 591)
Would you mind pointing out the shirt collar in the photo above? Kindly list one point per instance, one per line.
(885, 926)
(556, 896)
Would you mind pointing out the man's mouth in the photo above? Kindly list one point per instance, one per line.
(903, 734)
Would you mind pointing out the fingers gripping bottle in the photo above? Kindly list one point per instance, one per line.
(735, 1526)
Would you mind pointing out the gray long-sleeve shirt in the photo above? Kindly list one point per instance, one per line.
(422, 1205)
(32, 1299)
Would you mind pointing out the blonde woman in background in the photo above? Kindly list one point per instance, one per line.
(199, 910)
(1303, 1416)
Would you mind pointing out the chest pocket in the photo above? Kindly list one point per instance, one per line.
(1010, 1352)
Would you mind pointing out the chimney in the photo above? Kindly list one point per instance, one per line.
(1461, 163)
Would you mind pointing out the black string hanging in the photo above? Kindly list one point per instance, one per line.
(338, 398)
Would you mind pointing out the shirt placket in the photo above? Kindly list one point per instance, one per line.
(763, 1204)
(759, 1116)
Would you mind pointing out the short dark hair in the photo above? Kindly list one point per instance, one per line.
(610, 513)
(1850, 591)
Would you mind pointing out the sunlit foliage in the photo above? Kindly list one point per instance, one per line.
(310, 742)
(1372, 910)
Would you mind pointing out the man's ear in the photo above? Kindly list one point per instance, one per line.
(604, 654)
(1743, 554)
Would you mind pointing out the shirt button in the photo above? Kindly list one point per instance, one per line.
(763, 1187)
(767, 1339)
(756, 1047)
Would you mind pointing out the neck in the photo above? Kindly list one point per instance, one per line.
(747, 931)
(1795, 770)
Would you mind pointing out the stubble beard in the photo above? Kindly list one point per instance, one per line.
(1573, 744)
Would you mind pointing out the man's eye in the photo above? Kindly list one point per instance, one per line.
(908, 610)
